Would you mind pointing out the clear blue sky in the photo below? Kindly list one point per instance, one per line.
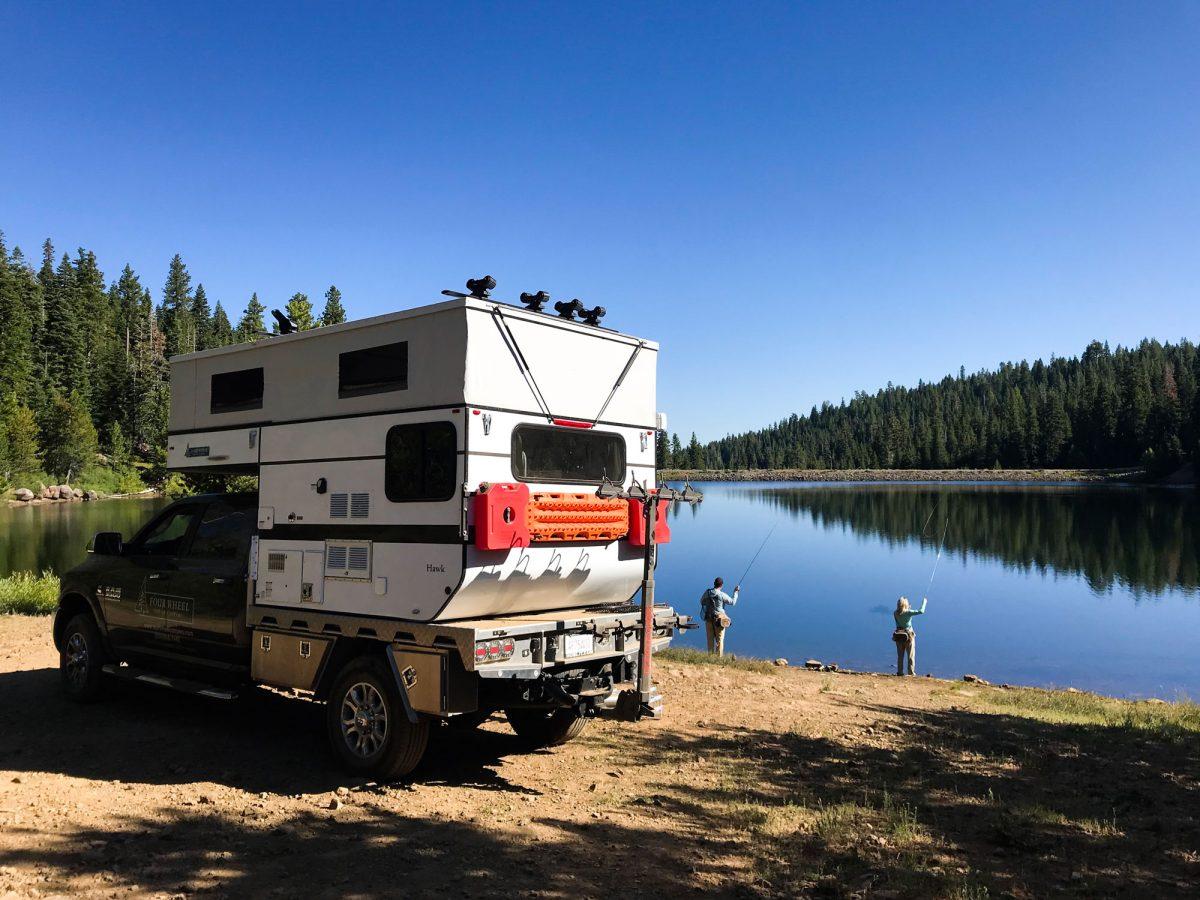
(797, 200)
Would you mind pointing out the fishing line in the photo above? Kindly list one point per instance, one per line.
(760, 550)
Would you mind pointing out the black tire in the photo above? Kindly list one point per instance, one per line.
(539, 728)
(368, 728)
(81, 659)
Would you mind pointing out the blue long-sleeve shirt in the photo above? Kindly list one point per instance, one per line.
(714, 601)
(904, 619)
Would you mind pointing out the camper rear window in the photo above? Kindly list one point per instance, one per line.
(421, 462)
(233, 391)
(373, 370)
(543, 453)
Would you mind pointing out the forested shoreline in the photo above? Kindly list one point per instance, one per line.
(1125, 408)
(84, 394)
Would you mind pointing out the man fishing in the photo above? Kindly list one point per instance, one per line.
(712, 606)
(905, 635)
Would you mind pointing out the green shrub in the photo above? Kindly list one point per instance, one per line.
(29, 594)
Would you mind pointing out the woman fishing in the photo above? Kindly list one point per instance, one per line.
(905, 636)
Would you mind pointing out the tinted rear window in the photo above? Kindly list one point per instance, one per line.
(373, 370)
(569, 455)
(233, 391)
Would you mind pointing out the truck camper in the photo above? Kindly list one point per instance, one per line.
(456, 512)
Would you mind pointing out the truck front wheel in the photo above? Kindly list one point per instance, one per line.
(81, 659)
(539, 728)
(368, 727)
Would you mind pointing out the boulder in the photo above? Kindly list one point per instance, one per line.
(91, 495)
(975, 679)
(829, 667)
(64, 492)
(814, 664)
(1155, 701)
(46, 493)
(781, 662)
(23, 494)
(77, 494)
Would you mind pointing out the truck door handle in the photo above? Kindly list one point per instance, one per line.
(220, 581)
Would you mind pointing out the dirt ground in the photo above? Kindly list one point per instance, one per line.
(774, 783)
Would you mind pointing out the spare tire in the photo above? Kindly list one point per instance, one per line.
(546, 728)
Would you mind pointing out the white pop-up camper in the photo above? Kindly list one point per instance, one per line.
(456, 509)
(435, 464)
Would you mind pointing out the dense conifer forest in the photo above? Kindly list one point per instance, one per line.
(1136, 406)
(83, 363)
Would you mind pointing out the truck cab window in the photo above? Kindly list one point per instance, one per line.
(166, 536)
(421, 462)
(223, 533)
(545, 453)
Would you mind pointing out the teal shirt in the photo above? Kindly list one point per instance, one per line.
(904, 619)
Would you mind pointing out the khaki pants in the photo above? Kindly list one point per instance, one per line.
(716, 637)
(907, 650)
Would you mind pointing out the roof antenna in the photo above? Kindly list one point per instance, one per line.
(535, 302)
(287, 325)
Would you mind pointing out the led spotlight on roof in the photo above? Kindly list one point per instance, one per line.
(567, 310)
(479, 287)
(594, 315)
(535, 302)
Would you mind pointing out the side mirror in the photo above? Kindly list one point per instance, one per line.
(108, 543)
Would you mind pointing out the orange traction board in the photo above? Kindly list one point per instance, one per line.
(554, 516)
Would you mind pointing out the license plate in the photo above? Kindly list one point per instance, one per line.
(577, 645)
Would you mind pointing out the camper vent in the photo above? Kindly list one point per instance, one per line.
(276, 562)
(348, 559)
(338, 505)
(360, 506)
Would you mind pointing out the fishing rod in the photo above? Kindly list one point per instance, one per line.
(938, 558)
(760, 550)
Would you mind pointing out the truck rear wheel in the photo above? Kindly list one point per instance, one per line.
(81, 659)
(368, 728)
(540, 728)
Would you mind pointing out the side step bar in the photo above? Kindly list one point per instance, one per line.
(186, 686)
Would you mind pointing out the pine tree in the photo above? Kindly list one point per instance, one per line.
(695, 453)
(16, 328)
(300, 311)
(221, 332)
(334, 313)
(250, 327)
(175, 318)
(202, 320)
(64, 341)
(117, 445)
(68, 436)
(18, 436)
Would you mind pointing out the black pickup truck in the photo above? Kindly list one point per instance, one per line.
(169, 607)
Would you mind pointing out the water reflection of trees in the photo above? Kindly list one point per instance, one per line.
(1145, 540)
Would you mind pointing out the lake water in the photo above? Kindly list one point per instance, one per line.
(1095, 587)
(1085, 586)
(54, 535)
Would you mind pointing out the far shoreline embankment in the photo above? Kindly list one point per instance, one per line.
(884, 476)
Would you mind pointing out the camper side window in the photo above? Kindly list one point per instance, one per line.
(421, 462)
(543, 453)
(373, 370)
(233, 391)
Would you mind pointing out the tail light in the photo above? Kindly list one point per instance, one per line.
(494, 651)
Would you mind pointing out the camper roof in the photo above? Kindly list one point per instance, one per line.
(463, 303)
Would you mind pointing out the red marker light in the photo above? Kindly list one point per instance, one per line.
(571, 423)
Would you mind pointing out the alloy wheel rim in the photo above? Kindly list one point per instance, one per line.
(364, 719)
(77, 659)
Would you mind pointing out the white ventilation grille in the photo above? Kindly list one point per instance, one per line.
(360, 506)
(348, 559)
(338, 505)
(276, 562)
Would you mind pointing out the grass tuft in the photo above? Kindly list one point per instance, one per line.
(27, 594)
(1165, 721)
(729, 661)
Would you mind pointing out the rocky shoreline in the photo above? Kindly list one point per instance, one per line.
(1083, 476)
(64, 493)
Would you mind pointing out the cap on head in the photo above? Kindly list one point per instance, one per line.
(718, 581)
